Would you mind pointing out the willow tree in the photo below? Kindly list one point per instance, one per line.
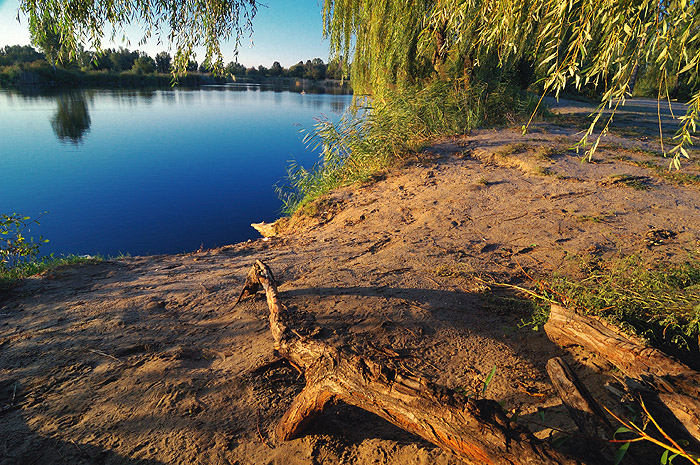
(183, 24)
(572, 43)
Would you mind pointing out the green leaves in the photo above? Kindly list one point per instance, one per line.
(666, 458)
(488, 380)
(61, 27)
(596, 43)
(15, 249)
(621, 430)
(620, 453)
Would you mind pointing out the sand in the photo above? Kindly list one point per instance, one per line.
(145, 360)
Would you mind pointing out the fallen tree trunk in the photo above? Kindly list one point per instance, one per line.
(663, 380)
(477, 431)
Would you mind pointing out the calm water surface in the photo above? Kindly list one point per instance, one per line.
(148, 172)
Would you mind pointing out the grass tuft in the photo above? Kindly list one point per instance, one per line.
(639, 183)
(512, 149)
(679, 178)
(660, 303)
(12, 276)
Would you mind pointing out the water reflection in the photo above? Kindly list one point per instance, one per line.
(71, 122)
(305, 86)
(338, 106)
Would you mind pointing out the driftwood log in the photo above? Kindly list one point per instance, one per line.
(475, 430)
(668, 386)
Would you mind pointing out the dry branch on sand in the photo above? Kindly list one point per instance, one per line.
(476, 430)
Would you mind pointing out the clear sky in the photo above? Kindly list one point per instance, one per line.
(287, 31)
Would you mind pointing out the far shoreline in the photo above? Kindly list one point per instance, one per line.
(46, 79)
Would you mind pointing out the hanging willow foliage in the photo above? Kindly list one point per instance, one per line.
(573, 43)
(61, 27)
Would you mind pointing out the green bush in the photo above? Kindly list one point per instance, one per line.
(16, 251)
(660, 303)
(19, 255)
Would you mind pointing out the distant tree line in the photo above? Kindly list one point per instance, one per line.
(123, 60)
(311, 69)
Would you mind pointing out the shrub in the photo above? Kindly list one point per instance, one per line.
(16, 251)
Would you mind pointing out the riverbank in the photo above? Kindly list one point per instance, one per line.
(46, 77)
(145, 359)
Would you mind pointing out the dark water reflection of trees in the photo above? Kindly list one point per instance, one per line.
(71, 122)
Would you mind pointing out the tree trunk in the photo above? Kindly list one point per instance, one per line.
(477, 431)
(669, 387)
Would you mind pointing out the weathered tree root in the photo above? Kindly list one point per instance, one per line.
(670, 388)
(477, 431)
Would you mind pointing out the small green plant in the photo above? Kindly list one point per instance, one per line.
(672, 448)
(19, 254)
(640, 183)
(660, 303)
(546, 153)
(479, 392)
(16, 251)
(544, 171)
(488, 380)
(602, 217)
(512, 149)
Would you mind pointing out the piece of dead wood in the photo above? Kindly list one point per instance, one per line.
(582, 407)
(670, 388)
(266, 229)
(104, 354)
(584, 410)
(262, 438)
(476, 430)
(250, 287)
(586, 413)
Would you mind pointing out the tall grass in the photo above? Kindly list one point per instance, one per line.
(374, 133)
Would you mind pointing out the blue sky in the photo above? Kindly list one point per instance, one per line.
(286, 31)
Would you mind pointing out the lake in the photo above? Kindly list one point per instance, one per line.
(150, 172)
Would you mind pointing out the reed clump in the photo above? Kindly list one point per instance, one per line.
(376, 132)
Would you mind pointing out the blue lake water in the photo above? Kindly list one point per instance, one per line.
(150, 172)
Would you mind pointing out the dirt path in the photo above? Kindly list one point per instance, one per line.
(144, 360)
